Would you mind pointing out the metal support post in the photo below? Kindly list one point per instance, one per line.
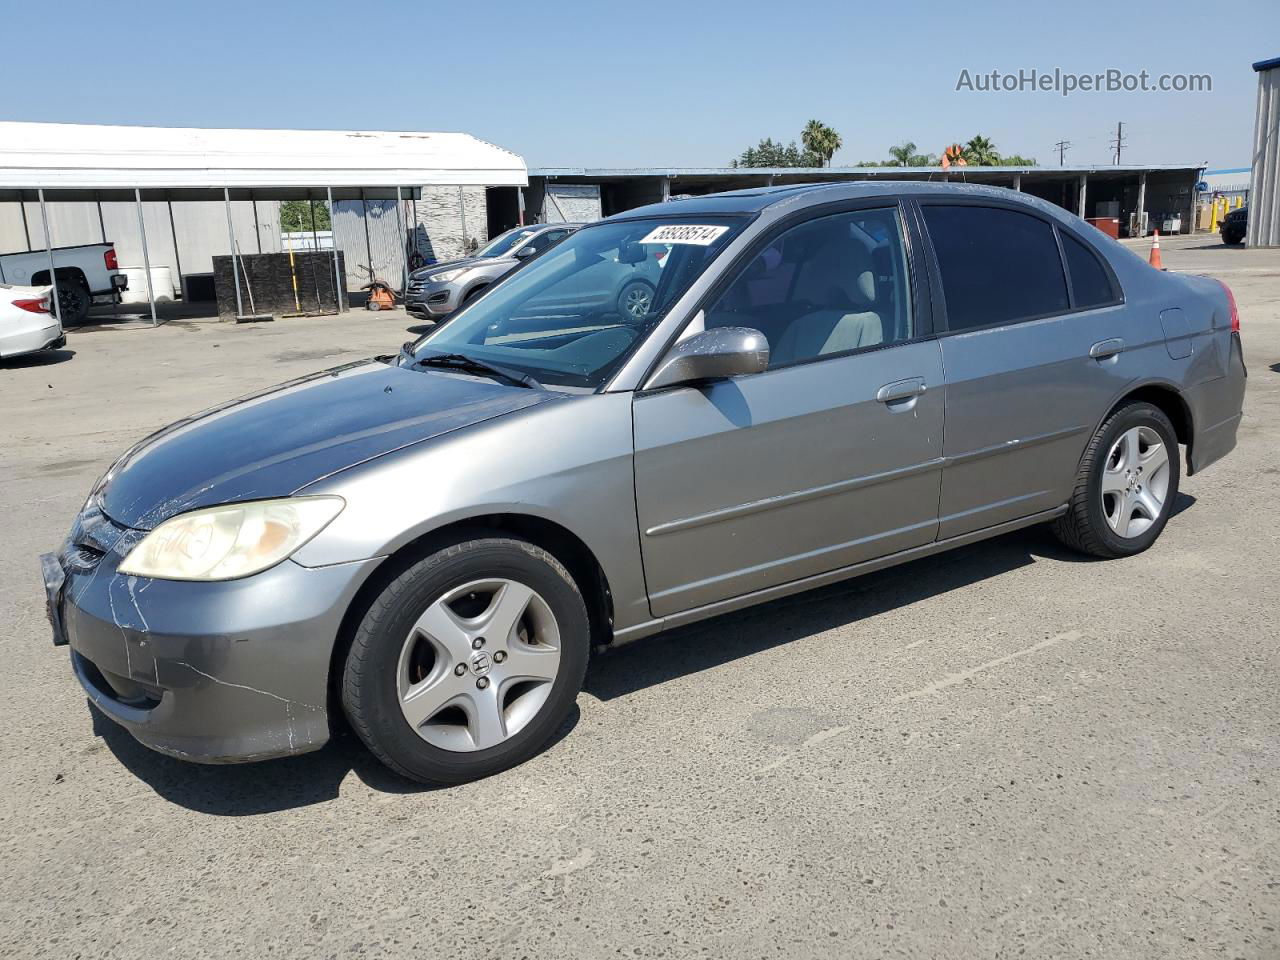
(48, 247)
(333, 238)
(231, 236)
(1142, 202)
(146, 256)
(404, 255)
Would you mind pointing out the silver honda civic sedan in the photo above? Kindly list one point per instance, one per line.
(828, 380)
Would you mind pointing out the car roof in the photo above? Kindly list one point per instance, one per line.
(757, 199)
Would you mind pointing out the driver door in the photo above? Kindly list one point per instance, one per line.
(829, 458)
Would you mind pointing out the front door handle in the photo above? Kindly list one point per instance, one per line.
(901, 390)
(1106, 348)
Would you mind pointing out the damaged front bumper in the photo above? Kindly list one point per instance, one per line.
(212, 672)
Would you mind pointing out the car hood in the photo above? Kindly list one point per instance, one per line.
(466, 263)
(273, 443)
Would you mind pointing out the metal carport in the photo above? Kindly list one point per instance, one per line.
(44, 161)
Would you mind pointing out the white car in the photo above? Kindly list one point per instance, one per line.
(27, 324)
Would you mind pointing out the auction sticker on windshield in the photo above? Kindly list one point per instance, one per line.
(698, 235)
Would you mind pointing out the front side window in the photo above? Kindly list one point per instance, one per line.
(505, 243)
(546, 240)
(825, 287)
(573, 315)
(997, 265)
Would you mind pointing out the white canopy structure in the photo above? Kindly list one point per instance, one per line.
(76, 156)
(99, 162)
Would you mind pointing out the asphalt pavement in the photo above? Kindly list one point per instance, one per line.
(1004, 751)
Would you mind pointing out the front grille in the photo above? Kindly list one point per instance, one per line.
(93, 535)
(80, 558)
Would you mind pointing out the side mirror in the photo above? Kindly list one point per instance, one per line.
(712, 355)
(525, 252)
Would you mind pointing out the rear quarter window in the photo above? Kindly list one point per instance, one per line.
(1090, 282)
(997, 265)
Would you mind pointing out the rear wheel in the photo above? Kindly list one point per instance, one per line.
(635, 300)
(468, 662)
(1126, 486)
(73, 301)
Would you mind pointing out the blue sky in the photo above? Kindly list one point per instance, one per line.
(567, 83)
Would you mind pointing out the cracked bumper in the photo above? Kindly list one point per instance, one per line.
(211, 672)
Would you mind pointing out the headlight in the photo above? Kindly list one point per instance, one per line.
(234, 540)
(446, 275)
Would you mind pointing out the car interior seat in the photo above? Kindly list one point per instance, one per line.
(840, 279)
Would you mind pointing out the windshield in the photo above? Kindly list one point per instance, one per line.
(506, 242)
(573, 315)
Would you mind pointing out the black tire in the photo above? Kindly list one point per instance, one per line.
(74, 301)
(1084, 527)
(370, 695)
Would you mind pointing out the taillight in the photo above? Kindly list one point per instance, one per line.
(109, 258)
(33, 306)
(1235, 312)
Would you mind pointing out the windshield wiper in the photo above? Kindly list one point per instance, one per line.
(460, 361)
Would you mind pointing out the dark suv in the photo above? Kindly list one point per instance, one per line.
(1235, 225)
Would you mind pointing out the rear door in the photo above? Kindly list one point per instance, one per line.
(1032, 359)
(830, 457)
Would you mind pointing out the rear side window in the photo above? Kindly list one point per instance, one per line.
(998, 265)
(1089, 280)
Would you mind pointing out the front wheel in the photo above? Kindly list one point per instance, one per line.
(1126, 486)
(468, 661)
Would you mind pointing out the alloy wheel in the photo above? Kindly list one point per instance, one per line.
(1135, 482)
(637, 301)
(478, 665)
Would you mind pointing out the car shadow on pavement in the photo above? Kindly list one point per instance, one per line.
(250, 789)
(239, 790)
(711, 643)
(45, 358)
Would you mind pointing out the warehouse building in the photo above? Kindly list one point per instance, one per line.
(1111, 196)
(174, 200)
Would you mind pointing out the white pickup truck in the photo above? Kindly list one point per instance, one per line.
(84, 273)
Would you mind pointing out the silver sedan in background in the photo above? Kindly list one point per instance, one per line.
(429, 544)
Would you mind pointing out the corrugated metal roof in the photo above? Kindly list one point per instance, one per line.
(66, 155)
(847, 171)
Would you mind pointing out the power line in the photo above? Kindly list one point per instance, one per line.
(1062, 146)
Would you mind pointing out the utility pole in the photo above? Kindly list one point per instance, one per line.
(1062, 146)
(1118, 143)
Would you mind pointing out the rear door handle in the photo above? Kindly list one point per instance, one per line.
(1106, 348)
(901, 390)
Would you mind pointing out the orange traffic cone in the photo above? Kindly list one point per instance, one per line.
(1155, 251)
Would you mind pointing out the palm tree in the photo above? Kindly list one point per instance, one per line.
(820, 140)
(981, 152)
(903, 154)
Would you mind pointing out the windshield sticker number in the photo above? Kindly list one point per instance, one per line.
(698, 235)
